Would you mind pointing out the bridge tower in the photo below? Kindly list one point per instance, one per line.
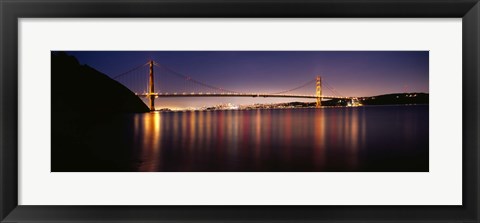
(318, 91)
(151, 88)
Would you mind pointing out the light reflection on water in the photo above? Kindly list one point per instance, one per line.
(383, 138)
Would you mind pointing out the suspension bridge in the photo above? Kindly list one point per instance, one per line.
(141, 80)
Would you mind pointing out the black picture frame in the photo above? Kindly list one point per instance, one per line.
(12, 10)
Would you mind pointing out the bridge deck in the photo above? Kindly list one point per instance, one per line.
(240, 95)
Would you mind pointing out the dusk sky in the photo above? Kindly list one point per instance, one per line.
(350, 73)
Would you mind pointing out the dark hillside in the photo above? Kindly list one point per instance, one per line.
(385, 99)
(80, 88)
(82, 100)
(397, 99)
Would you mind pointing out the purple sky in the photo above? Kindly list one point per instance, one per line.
(350, 73)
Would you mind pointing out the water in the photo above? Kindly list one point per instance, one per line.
(369, 138)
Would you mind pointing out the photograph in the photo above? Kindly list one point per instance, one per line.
(240, 111)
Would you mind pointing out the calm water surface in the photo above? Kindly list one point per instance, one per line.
(369, 138)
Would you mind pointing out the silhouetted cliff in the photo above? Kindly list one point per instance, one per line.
(80, 88)
(83, 100)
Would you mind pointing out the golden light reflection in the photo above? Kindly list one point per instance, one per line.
(258, 134)
(192, 134)
(353, 136)
(175, 121)
(266, 132)
(233, 133)
(185, 138)
(364, 129)
(288, 131)
(220, 132)
(209, 125)
(151, 142)
(200, 126)
(319, 153)
(136, 124)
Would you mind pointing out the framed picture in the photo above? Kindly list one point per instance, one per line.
(239, 111)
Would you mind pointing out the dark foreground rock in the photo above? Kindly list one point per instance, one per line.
(83, 99)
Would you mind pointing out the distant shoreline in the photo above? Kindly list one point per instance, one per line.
(379, 100)
(252, 109)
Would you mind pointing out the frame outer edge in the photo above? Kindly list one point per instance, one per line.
(3, 211)
(477, 179)
(471, 115)
(476, 158)
(2, 214)
(9, 110)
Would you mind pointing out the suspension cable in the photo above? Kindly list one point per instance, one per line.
(127, 72)
(332, 89)
(187, 78)
(296, 88)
